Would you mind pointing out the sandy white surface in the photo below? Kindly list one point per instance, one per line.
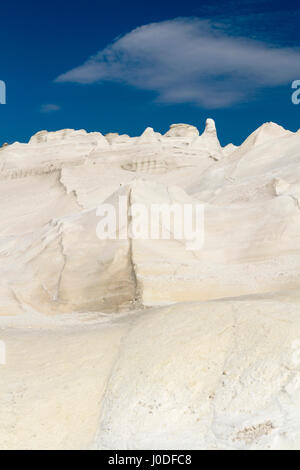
(143, 344)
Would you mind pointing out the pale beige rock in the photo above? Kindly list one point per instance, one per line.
(218, 375)
(51, 272)
(89, 364)
(280, 186)
(251, 219)
(211, 375)
(149, 137)
(182, 130)
(208, 142)
(229, 149)
(53, 383)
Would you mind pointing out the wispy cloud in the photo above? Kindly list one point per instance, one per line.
(189, 60)
(49, 108)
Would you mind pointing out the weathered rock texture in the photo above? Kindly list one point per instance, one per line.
(97, 354)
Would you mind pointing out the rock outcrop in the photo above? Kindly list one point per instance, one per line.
(133, 342)
(250, 198)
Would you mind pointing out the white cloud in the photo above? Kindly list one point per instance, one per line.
(188, 60)
(49, 108)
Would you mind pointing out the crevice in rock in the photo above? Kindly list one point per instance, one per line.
(61, 245)
(137, 297)
(67, 191)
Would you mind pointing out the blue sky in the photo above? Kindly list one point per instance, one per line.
(123, 66)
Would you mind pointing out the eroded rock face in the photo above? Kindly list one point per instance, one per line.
(208, 142)
(54, 261)
(182, 130)
(209, 375)
(218, 375)
(49, 272)
(145, 343)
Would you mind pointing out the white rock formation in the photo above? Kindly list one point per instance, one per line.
(137, 343)
(149, 137)
(218, 375)
(208, 142)
(229, 149)
(185, 131)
